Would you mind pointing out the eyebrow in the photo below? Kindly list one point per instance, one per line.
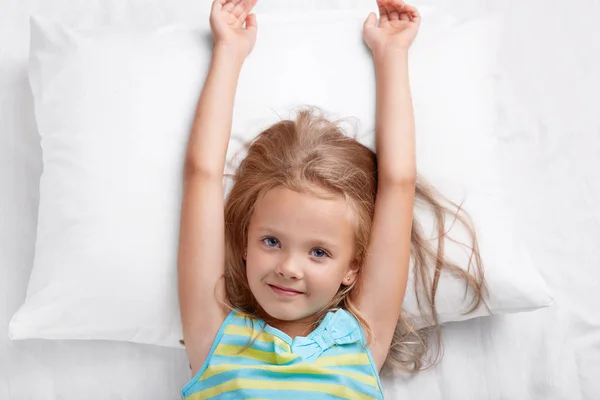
(318, 241)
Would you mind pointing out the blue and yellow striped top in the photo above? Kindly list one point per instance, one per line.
(332, 362)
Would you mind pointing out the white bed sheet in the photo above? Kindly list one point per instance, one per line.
(549, 131)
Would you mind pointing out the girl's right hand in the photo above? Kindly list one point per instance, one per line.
(226, 22)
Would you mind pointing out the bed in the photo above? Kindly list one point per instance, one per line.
(549, 130)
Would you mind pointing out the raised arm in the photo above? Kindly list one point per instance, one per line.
(201, 242)
(385, 269)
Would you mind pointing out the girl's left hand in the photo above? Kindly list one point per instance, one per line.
(398, 27)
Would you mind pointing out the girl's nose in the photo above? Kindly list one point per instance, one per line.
(290, 268)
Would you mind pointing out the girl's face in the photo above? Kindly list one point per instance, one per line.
(300, 250)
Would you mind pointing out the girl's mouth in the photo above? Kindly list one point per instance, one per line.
(284, 291)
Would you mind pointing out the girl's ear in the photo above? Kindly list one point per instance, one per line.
(351, 273)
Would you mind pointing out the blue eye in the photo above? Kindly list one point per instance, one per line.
(319, 253)
(271, 242)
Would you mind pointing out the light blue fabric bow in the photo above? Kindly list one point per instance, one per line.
(337, 328)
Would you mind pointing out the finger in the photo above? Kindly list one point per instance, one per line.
(412, 12)
(217, 5)
(371, 21)
(238, 9)
(229, 6)
(251, 22)
(404, 16)
(245, 6)
(404, 13)
(383, 14)
(394, 10)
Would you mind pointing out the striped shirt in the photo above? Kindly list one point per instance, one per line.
(332, 362)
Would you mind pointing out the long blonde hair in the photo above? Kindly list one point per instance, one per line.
(311, 151)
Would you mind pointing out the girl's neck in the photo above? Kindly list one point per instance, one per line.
(300, 327)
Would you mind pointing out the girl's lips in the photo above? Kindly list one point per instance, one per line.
(284, 292)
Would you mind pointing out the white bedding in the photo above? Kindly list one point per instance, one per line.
(549, 130)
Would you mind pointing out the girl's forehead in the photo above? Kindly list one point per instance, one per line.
(285, 210)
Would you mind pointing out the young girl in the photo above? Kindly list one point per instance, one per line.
(293, 289)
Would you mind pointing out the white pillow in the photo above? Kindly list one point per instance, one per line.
(114, 107)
